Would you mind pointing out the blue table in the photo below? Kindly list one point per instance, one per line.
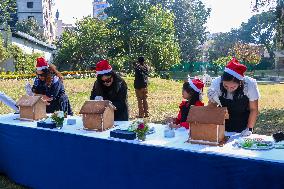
(48, 159)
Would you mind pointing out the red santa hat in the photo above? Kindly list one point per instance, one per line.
(103, 67)
(196, 84)
(236, 69)
(41, 63)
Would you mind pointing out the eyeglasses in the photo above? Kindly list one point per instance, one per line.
(108, 80)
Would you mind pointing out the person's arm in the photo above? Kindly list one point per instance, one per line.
(253, 95)
(122, 94)
(214, 93)
(94, 92)
(8, 101)
(253, 107)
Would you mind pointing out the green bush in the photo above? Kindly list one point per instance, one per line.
(24, 63)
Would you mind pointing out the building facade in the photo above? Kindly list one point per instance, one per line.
(41, 11)
(29, 45)
(61, 27)
(98, 9)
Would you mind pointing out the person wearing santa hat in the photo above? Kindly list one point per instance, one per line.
(239, 94)
(110, 86)
(49, 84)
(191, 93)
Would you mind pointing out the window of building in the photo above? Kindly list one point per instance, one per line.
(30, 5)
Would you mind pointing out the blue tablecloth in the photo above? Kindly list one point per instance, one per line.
(46, 159)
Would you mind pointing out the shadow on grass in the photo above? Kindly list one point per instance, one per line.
(270, 121)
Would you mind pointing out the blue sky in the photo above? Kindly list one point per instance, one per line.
(226, 14)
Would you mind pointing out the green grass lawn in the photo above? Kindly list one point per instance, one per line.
(164, 98)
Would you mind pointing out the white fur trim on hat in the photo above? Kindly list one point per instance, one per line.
(193, 86)
(104, 71)
(233, 73)
(42, 68)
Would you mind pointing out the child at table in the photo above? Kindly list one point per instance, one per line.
(191, 93)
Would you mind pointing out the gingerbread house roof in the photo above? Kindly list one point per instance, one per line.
(96, 106)
(28, 100)
(207, 115)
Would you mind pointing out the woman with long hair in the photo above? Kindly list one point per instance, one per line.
(49, 84)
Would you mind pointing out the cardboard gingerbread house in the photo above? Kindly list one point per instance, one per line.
(98, 114)
(207, 125)
(31, 108)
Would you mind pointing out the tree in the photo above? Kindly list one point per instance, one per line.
(3, 50)
(260, 29)
(280, 25)
(84, 45)
(247, 53)
(24, 63)
(190, 19)
(223, 61)
(144, 29)
(8, 10)
(221, 45)
(31, 27)
(278, 5)
(160, 44)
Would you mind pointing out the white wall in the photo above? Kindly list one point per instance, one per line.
(29, 47)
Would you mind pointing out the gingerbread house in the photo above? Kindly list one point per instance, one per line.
(207, 124)
(98, 115)
(31, 108)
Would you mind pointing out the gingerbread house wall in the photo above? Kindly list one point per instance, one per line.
(39, 110)
(27, 112)
(207, 132)
(93, 121)
(108, 118)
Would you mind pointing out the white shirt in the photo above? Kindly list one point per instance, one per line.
(250, 89)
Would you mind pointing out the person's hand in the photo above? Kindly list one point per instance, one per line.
(214, 96)
(246, 132)
(169, 120)
(46, 99)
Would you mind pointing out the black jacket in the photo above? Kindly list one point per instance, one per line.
(141, 76)
(117, 94)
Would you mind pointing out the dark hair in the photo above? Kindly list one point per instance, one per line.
(194, 96)
(49, 72)
(99, 76)
(239, 92)
(100, 86)
(141, 59)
